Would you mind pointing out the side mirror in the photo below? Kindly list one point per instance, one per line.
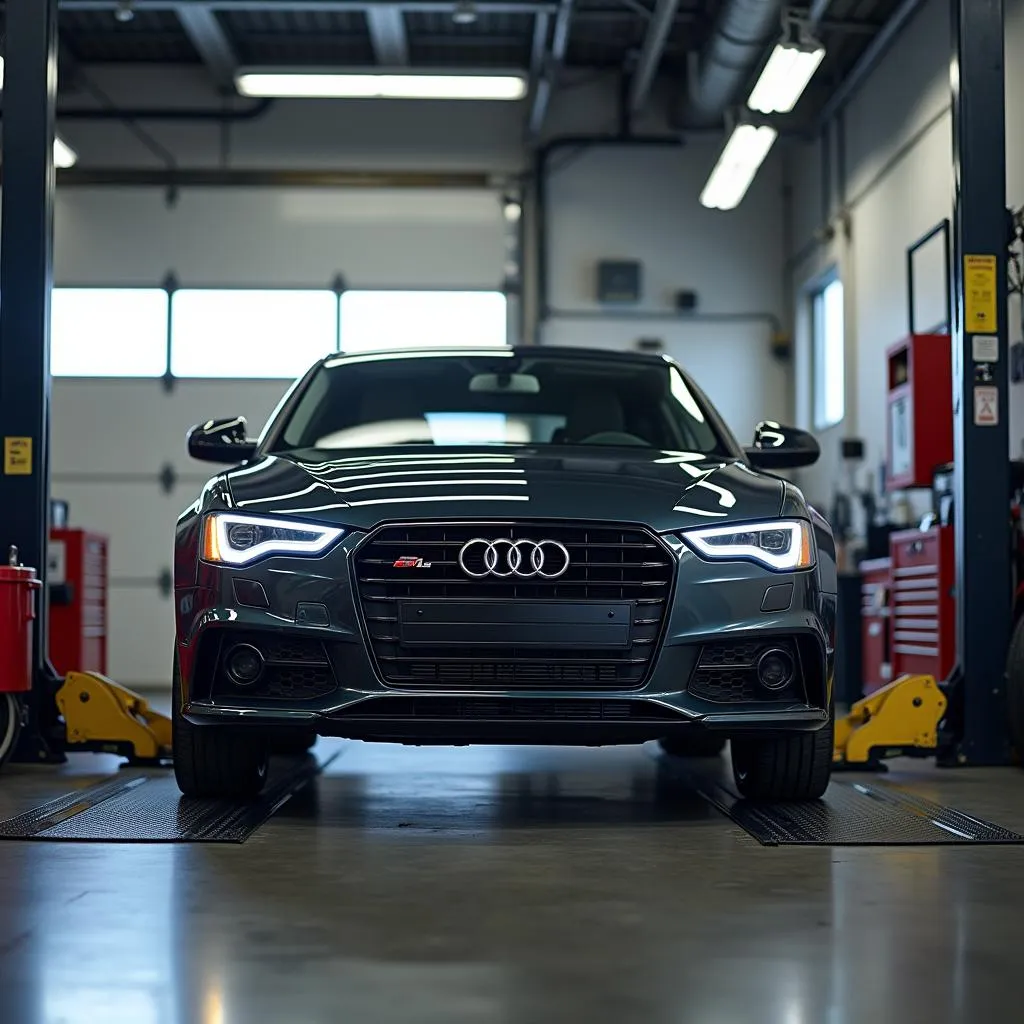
(778, 447)
(221, 441)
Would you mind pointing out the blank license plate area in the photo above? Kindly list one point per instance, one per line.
(520, 624)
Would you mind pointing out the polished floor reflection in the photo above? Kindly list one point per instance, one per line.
(513, 885)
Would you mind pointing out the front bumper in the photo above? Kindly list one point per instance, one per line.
(711, 603)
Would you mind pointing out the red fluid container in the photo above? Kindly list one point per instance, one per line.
(18, 585)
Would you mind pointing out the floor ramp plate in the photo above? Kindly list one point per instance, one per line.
(852, 814)
(149, 809)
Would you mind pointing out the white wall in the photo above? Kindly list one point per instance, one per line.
(614, 202)
(638, 203)
(375, 238)
(899, 185)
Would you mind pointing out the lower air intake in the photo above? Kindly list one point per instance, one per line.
(727, 673)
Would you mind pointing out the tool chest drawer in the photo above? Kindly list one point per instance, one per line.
(876, 641)
(923, 618)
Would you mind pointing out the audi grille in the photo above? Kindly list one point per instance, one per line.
(594, 624)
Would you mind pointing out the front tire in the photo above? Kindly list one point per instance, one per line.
(215, 760)
(792, 767)
(10, 725)
(697, 744)
(1015, 687)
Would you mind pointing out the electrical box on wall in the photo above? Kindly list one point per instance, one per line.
(618, 281)
(919, 389)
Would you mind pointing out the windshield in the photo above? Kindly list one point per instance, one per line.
(486, 399)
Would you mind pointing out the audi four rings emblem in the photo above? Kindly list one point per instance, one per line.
(523, 558)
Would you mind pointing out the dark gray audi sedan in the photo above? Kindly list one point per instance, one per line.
(531, 545)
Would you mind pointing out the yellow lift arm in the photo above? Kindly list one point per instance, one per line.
(901, 718)
(101, 716)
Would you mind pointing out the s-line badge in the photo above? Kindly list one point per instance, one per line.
(410, 562)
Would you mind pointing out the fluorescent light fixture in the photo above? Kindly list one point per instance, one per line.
(63, 154)
(743, 155)
(403, 85)
(785, 76)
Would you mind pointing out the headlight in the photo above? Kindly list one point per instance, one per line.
(230, 539)
(782, 545)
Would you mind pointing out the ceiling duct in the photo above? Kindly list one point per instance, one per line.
(738, 39)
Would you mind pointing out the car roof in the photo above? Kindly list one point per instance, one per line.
(560, 352)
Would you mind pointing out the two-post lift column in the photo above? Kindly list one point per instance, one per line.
(980, 399)
(26, 270)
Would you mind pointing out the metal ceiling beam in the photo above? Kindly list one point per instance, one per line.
(214, 178)
(552, 67)
(386, 25)
(658, 29)
(484, 7)
(818, 10)
(848, 27)
(426, 6)
(869, 59)
(206, 35)
(541, 27)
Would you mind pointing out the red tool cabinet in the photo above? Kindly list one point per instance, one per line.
(920, 407)
(78, 601)
(876, 635)
(923, 602)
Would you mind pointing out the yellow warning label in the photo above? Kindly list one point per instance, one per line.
(980, 311)
(18, 456)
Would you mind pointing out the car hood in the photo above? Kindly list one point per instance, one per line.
(664, 490)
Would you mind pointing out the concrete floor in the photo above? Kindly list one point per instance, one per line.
(512, 885)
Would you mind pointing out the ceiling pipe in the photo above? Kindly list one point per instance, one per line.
(658, 29)
(738, 39)
(219, 114)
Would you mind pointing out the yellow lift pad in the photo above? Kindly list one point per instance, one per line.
(102, 716)
(901, 718)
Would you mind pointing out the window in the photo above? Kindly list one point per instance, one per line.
(250, 333)
(108, 332)
(372, 321)
(829, 355)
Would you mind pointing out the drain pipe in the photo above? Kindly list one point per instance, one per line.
(737, 42)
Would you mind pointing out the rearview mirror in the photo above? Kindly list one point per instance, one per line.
(221, 441)
(505, 384)
(778, 447)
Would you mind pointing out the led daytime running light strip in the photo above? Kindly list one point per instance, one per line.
(218, 549)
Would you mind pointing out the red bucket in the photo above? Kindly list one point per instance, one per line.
(18, 586)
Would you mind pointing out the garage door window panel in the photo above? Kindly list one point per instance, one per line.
(108, 332)
(374, 321)
(247, 333)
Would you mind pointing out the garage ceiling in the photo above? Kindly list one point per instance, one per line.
(603, 34)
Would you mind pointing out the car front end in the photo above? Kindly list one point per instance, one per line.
(533, 594)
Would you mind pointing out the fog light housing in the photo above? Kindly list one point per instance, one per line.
(775, 669)
(244, 664)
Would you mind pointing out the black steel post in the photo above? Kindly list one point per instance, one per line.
(980, 399)
(26, 270)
